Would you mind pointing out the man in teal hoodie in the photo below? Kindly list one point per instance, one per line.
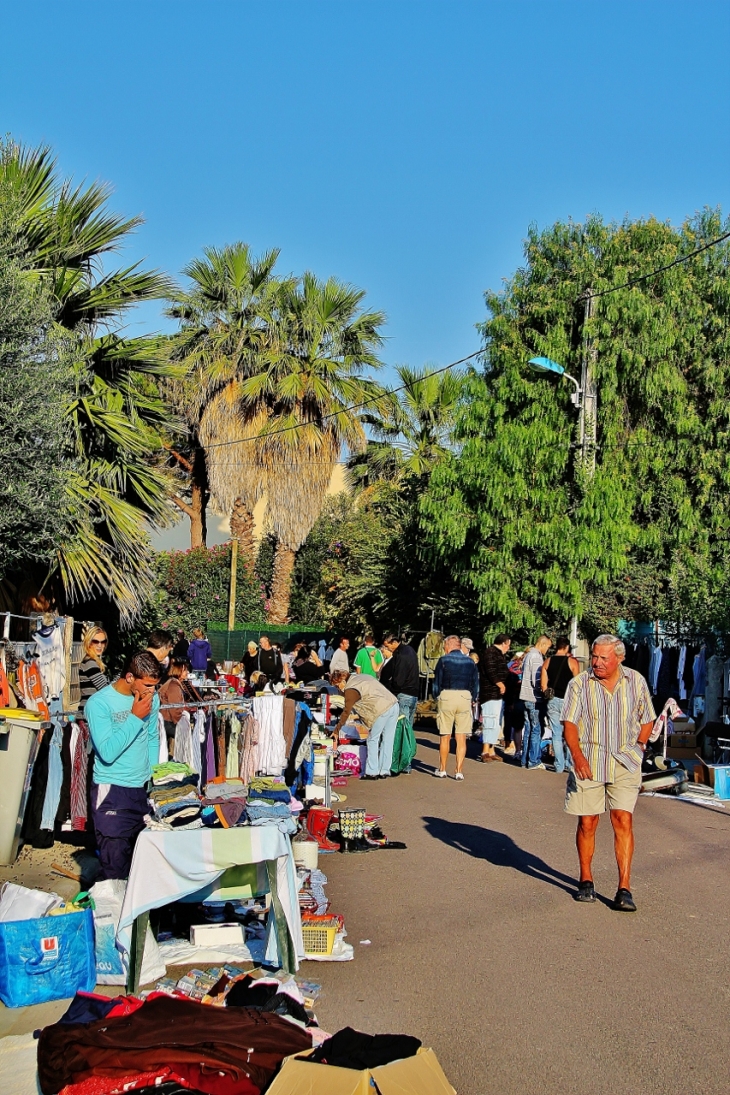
(122, 722)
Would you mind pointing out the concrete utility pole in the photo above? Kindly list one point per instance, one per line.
(587, 422)
(232, 596)
(589, 401)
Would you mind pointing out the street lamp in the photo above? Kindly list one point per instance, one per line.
(586, 424)
(547, 365)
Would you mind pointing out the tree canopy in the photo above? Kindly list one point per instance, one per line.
(532, 538)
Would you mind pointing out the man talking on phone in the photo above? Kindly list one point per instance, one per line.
(122, 722)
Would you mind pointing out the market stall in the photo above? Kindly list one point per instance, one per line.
(171, 866)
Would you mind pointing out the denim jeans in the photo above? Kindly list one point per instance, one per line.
(407, 707)
(380, 743)
(563, 759)
(532, 734)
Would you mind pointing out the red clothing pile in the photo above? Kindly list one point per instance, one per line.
(218, 1051)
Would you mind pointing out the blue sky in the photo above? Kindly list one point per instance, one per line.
(402, 146)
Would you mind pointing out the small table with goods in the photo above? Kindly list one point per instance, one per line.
(169, 866)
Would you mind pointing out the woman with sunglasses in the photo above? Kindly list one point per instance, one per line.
(92, 671)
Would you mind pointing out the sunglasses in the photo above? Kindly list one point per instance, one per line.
(99, 642)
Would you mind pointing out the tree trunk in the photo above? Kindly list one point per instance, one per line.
(281, 584)
(242, 529)
(198, 501)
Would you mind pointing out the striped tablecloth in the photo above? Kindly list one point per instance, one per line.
(170, 866)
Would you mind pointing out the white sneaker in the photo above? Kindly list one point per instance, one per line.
(459, 775)
(534, 767)
(439, 774)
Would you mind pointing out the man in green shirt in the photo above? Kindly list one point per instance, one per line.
(369, 659)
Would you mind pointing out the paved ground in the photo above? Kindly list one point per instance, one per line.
(479, 950)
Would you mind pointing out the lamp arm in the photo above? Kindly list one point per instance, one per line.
(578, 389)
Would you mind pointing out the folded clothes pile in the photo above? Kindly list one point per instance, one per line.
(270, 803)
(269, 790)
(174, 798)
(224, 804)
(226, 1051)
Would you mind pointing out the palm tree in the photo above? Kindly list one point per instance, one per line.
(304, 406)
(62, 234)
(416, 432)
(225, 322)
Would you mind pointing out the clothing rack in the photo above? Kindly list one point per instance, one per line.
(203, 703)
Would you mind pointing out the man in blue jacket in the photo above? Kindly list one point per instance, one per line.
(122, 722)
(455, 686)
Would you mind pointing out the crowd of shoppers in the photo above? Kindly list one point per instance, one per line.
(600, 720)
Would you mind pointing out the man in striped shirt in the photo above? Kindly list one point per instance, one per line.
(608, 717)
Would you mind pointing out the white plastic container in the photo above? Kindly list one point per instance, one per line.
(306, 853)
(19, 732)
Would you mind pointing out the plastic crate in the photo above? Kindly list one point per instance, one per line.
(722, 781)
(319, 938)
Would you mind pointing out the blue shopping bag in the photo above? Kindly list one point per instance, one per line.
(48, 958)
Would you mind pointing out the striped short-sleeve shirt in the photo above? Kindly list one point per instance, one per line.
(609, 722)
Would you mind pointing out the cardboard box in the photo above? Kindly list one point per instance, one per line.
(682, 741)
(679, 753)
(419, 1075)
(216, 935)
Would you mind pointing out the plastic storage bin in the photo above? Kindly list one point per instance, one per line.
(19, 737)
(319, 938)
(722, 780)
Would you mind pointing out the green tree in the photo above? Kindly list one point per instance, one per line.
(225, 316)
(113, 413)
(297, 409)
(34, 437)
(416, 431)
(531, 538)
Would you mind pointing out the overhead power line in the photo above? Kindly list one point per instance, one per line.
(661, 269)
(344, 410)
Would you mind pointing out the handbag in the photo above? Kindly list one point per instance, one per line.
(47, 958)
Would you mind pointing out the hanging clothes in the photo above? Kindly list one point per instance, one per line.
(163, 752)
(269, 712)
(680, 673)
(30, 684)
(250, 750)
(699, 670)
(430, 650)
(51, 659)
(55, 778)
(654, 666)
(79, 773)
(183, 751)
(233, 760)
(290, 715)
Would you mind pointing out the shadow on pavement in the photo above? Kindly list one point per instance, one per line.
(496, 848)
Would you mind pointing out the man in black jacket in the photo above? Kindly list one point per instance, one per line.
(493, 679)
(269, 660)
(400, 674)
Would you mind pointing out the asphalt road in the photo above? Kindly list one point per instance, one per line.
(478, 949)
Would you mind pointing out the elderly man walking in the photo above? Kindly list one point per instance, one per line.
(608, 717)
(455, 686)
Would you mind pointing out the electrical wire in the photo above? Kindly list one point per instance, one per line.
(344, 410)
(659, 270)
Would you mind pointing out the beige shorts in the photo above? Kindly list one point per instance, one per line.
(454, 712)
(587, 796)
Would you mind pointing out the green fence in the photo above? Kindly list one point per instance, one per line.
(231, 645)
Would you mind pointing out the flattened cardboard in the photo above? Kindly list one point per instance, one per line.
(419, 1075)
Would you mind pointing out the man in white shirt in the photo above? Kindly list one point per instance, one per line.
(340, 662)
